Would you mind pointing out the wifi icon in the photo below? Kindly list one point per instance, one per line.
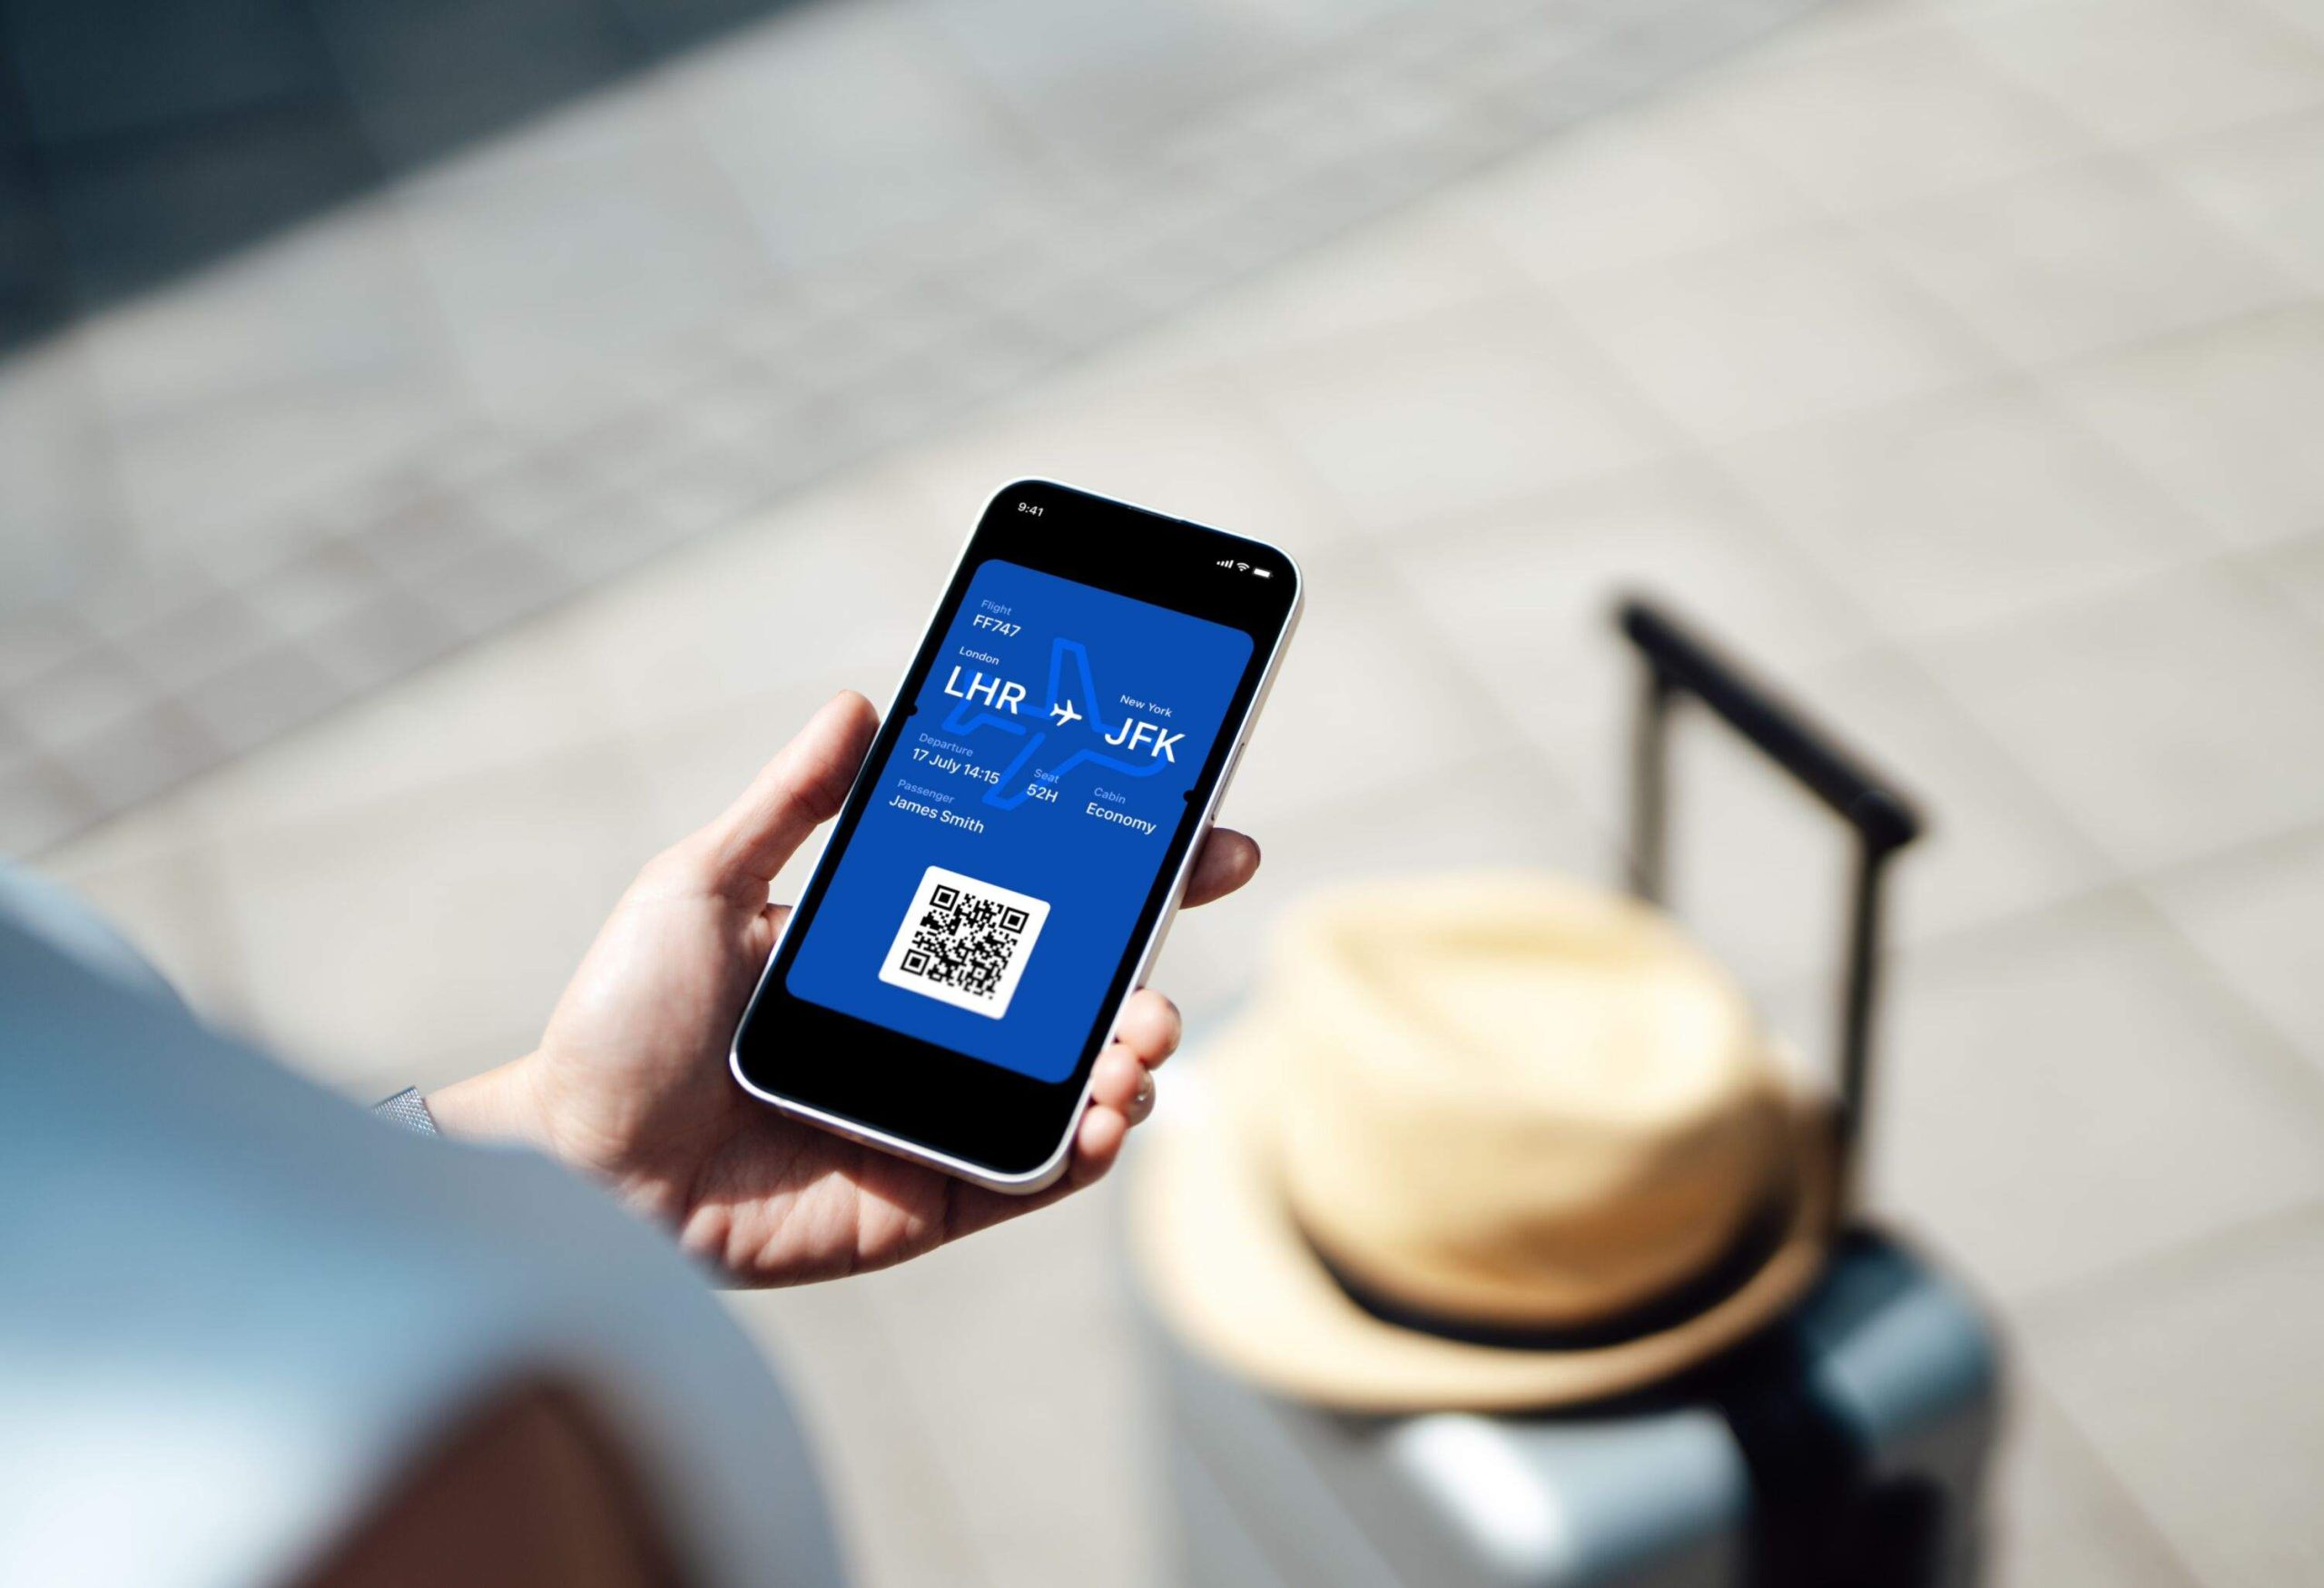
(1241, 567)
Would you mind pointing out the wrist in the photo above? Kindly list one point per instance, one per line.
(502, 1104)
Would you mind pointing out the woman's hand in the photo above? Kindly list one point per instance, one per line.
(630, 1083)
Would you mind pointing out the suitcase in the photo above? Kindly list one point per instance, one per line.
(1845, 1446)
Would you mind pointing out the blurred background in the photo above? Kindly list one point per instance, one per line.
(444, 448)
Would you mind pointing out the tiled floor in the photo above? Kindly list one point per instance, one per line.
(141, 138)
(1957, 359)
(518, 372)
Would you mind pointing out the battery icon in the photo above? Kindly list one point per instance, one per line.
(1263, 573)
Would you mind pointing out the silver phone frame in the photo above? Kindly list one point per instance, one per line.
(1051, 1168)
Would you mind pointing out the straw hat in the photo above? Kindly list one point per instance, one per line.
(1488, 1143)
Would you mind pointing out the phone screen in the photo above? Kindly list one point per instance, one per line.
(1017, 823)
(1011, 849)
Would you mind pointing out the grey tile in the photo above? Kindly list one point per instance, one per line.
(39, 806)
(573, 246)
(528, 499)
(615, 534)
(1017, 1349)
(812, 434)
(2073, 261)
(841, 125)
(818, 309)
(198, 640)
(133, 211)
(1632, 59)
(1962, 507)
(1254, 145)
(1644, 184)
(274, 383)
(835, 352)
(2066, 1096)
(988, 361)
(1359, 183)
(478, 896)
(423, 538)
(2303, 16)
(1195, 446)
(382, 640)
(2064, 1521)
(1764, 872)
(2170, 721)
(1073, 309)
(735, 405)
(2140, 70)
(59, 516)
(566, 271)
(1752, 335)
(1439, 257)
(1525, 76)
(1358, 664)
(906, 399)
(2257, 917)
(135, 757)
(2220, 418)
(151, 877)
(1088, 77)
(428, 79)
(633, 445)
(495, 587)
(1244, 227)
(1152, 268)
(122, 607)
(488, 711)
(2199, 1389)
(1525, 598)
(91, 690)
(827, 586)
(901, 1523)
(312, 587)
(1323, 22)
(1422, 132)
(2296, 569)
(457, 461)
(2266, 181)
(34, 639)
(245, 706)
(1453, 413)
(1909, 111)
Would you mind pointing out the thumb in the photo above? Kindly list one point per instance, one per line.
(797, 791)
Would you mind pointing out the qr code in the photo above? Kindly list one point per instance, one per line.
(964, 942)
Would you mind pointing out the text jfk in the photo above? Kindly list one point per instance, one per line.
(1004, 694)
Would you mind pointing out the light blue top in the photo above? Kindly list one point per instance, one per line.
(233, 1307)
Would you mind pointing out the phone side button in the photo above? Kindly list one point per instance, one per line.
(1226, 775)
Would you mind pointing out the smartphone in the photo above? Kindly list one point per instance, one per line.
(1010, 855)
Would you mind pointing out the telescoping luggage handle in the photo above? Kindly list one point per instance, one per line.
(1678, 662)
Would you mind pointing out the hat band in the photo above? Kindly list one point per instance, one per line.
(1761, 1237)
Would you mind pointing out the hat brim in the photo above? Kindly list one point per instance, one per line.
(1229, 1269)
